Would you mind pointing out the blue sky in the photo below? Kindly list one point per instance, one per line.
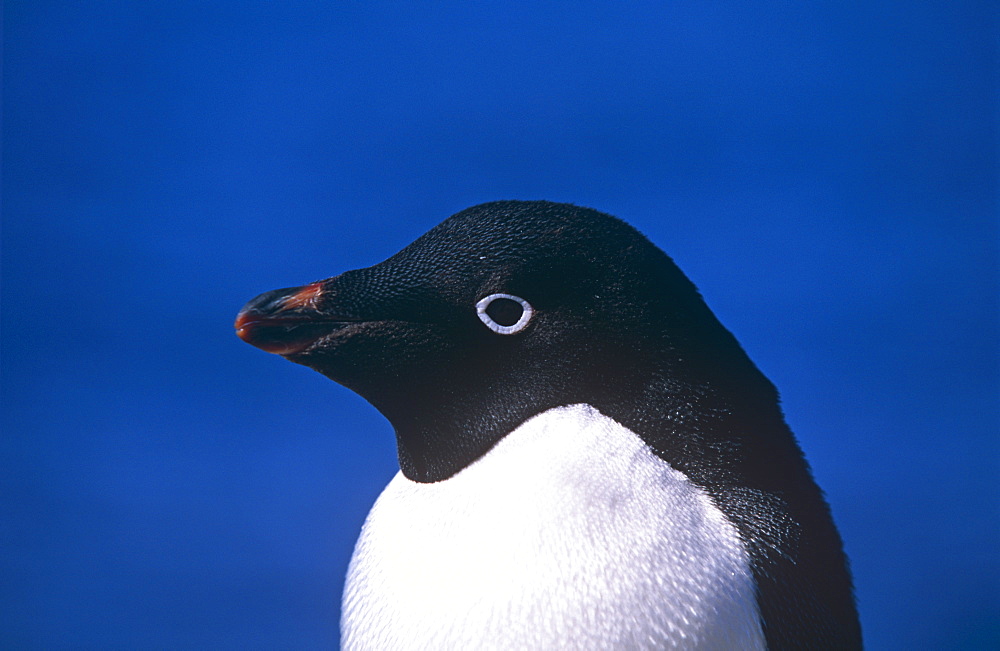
(825, 172)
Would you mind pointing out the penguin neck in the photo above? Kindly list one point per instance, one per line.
(443, 426)
(434, 445)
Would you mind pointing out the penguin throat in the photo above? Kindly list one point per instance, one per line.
(438, 450)
(444, 429)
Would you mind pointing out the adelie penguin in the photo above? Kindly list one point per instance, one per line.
(588, 459)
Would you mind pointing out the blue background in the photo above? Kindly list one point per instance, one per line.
(825, 172)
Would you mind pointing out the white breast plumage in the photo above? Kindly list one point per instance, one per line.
(570, 533)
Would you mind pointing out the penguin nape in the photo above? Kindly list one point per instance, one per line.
(589, 460)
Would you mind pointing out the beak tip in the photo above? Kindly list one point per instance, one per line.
(242, 325)
(265, 321)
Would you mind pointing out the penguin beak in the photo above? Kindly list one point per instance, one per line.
(286, 321)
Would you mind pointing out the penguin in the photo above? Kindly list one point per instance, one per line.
(588, 458)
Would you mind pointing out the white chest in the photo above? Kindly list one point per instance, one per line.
(568, 534)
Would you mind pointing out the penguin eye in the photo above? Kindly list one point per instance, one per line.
(504, 314)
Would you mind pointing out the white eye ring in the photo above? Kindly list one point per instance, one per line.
(526, 313)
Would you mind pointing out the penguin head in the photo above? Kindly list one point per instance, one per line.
(500, 312)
